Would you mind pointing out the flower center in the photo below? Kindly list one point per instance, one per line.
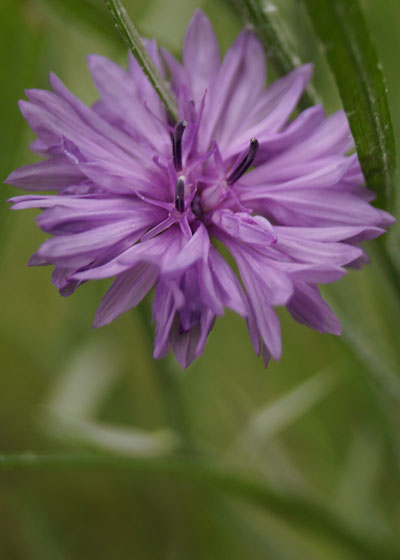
(210, 195)
(180, 194)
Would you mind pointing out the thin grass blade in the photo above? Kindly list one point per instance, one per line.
(268, 422)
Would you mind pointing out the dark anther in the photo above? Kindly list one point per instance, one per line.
(245, 163)
(177, 144)
(180, 195)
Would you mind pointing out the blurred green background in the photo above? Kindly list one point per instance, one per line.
(323, 423)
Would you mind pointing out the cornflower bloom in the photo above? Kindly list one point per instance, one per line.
(141, 199)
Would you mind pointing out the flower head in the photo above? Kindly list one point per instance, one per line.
(140, 198)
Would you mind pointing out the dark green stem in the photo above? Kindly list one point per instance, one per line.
(134, 42)
(297, 510)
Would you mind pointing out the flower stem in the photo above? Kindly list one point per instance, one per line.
(292, 508)
(170, 387)
(134, 42)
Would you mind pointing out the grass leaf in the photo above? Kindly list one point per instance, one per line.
(267, 423)
(341, 27)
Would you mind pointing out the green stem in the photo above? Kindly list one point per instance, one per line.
(295, 509)
(274, 38)
(169, 382)
(134, 42)
(174, 402)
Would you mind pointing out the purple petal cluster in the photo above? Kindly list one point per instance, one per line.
(142, 199)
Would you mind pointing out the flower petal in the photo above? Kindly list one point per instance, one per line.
(308, 308)
(228, 285)
(272, 110)
(91, 242)
(201, 56)
(126, 291)
(234, 67)
(254, 230)
(52, 174)
(120, 94)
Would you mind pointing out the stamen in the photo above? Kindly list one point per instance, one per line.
(245, 163)
(180, 195)
(177, 144)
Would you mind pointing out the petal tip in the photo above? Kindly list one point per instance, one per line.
(9, 180)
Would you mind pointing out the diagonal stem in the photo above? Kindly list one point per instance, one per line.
(134, 42)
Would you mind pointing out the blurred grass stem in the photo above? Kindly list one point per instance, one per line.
(290, 507)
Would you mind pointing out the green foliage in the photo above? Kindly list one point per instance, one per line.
(297, 510)
(27, 35)
(92, 13)
(299, 462)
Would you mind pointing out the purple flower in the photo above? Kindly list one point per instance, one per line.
(141, 200)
